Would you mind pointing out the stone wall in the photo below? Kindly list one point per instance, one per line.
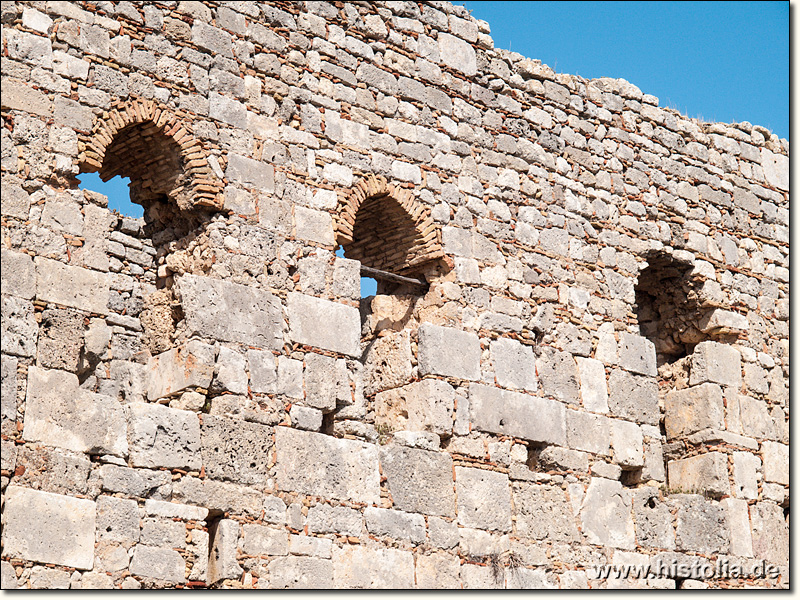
(593, 371)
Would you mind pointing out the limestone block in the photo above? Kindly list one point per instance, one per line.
(395, 524)
(163, 437)
(653, 519)
(235, 450)
(174, 510)
(17, 273)
(476, 542)
(313, 463)
(515, 414)
(594, 390)
(314, 225)
(60, 339)
(138, 483)
(563, 459)
(176, 370)
(305, 418)
(258, 540)
(443, 534)
(222, 561)
(770, 533)
(302, 545)
(263, 371)
(20, 96)
(426, 405)
(117, 520)
(358, 567)
(523, 578)
(745, 475)
(755, 418)
(419, 481)
(388, 361)
(327, 382)
(698, 474)
(701, 525)
(437, 571)
(9, 576)
(477, 577)
(290, 377)
(58, 413)
(544, 513)
(606, 514)
(718, 321)
(776, 462)
(300, 572)
(776, 169)
(588, 432)
(158, 563)
(628, 443)
(693, 409)
(227, 497)
(716, 363)
(448, 352)
(229, 372)
(48, 528)
(633, 397)
(514, 365)
(457, 54)
(73, 287)
(324, 518)
(163, 533)
(8, 391)
(637, 354)
(246, 171)
(230, 312)
(324, 324)
(43, 578)
(738, 519)
(19, 327)
(559, 374)
(484, 499)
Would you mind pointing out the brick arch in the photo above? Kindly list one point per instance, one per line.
(383, 227)
(154, 147)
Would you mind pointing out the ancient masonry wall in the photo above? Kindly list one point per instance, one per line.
(595, 371)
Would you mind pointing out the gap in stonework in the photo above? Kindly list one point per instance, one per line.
(116, 190)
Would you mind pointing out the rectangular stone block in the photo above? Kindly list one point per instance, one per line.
(745, 475)
(754, 418)
(606, 514)
(514, 364)
(701, 525)
(628, 444)
(698, 474)
(588, 432)
(637, 354)
(633, 397)
(692, 409)
(594, 388)
(358, 567)
(74, 287)
(776, 462)
(327, 382)
(324, 324)
(230, 312)
(419, 480)
(250, 173)
(263, 371)
(438, 571)
(395, 524)
(559, 374)
(716, 363)
(738, 518)
(324, 518)
(164, 564)
(173, 371)
(235, 450)
(58, 413)
(448, 352)
(17, 273)
(313, 463)
(426, 405)
(300, 572)
(163, 437)
(19, 326)
(544, 513)
(222, 560)
(258, 540)
(484, 499)
(8, 395)
(516, 414)
(48, 528)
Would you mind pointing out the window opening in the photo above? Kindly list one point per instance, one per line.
(116, 190)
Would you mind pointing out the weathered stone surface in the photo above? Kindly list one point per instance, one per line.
(176, 370)
(437, 571)
(8, 391)
(48, 528)
(512, 413)
(419, 481)
(324, 324)
(559, 374)
(324, 518)
(484, 499)
(313, 463)
(117, 520)
(653, 519)
(776, 169)
(437, 355)
(264, 541)
(58, 413)
(745, 475)
(697, 474)
(49, 579)
(388, 361)
(327, 382)
(692, 409)
(594, 390)
(543, 513)
(235, 450)
(701, 525)
(628, 444)
(423, 406)
(637, 354)
(18, 273)
(359, 567)
(588, 432)
(9, 576)
(770, 533)
(633, 397)
(395, 524)
(222, 560)
(135, 482)
(227, 497)
(229, 372)
(300, 572)
(776, 462)
(606, 514)
(738, 519)
(230, 312)
(263, 372)
(163, 437)
(158, 563)
(457, 54)
(514, 365)
(60, 339)
(716, 363)
(71, 286)
(19, 327)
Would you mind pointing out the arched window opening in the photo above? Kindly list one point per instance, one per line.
(116, 190)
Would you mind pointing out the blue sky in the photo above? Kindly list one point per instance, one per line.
(719, 61)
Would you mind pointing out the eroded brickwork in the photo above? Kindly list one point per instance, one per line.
(594, 374)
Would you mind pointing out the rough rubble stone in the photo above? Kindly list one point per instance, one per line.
(48, 528)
